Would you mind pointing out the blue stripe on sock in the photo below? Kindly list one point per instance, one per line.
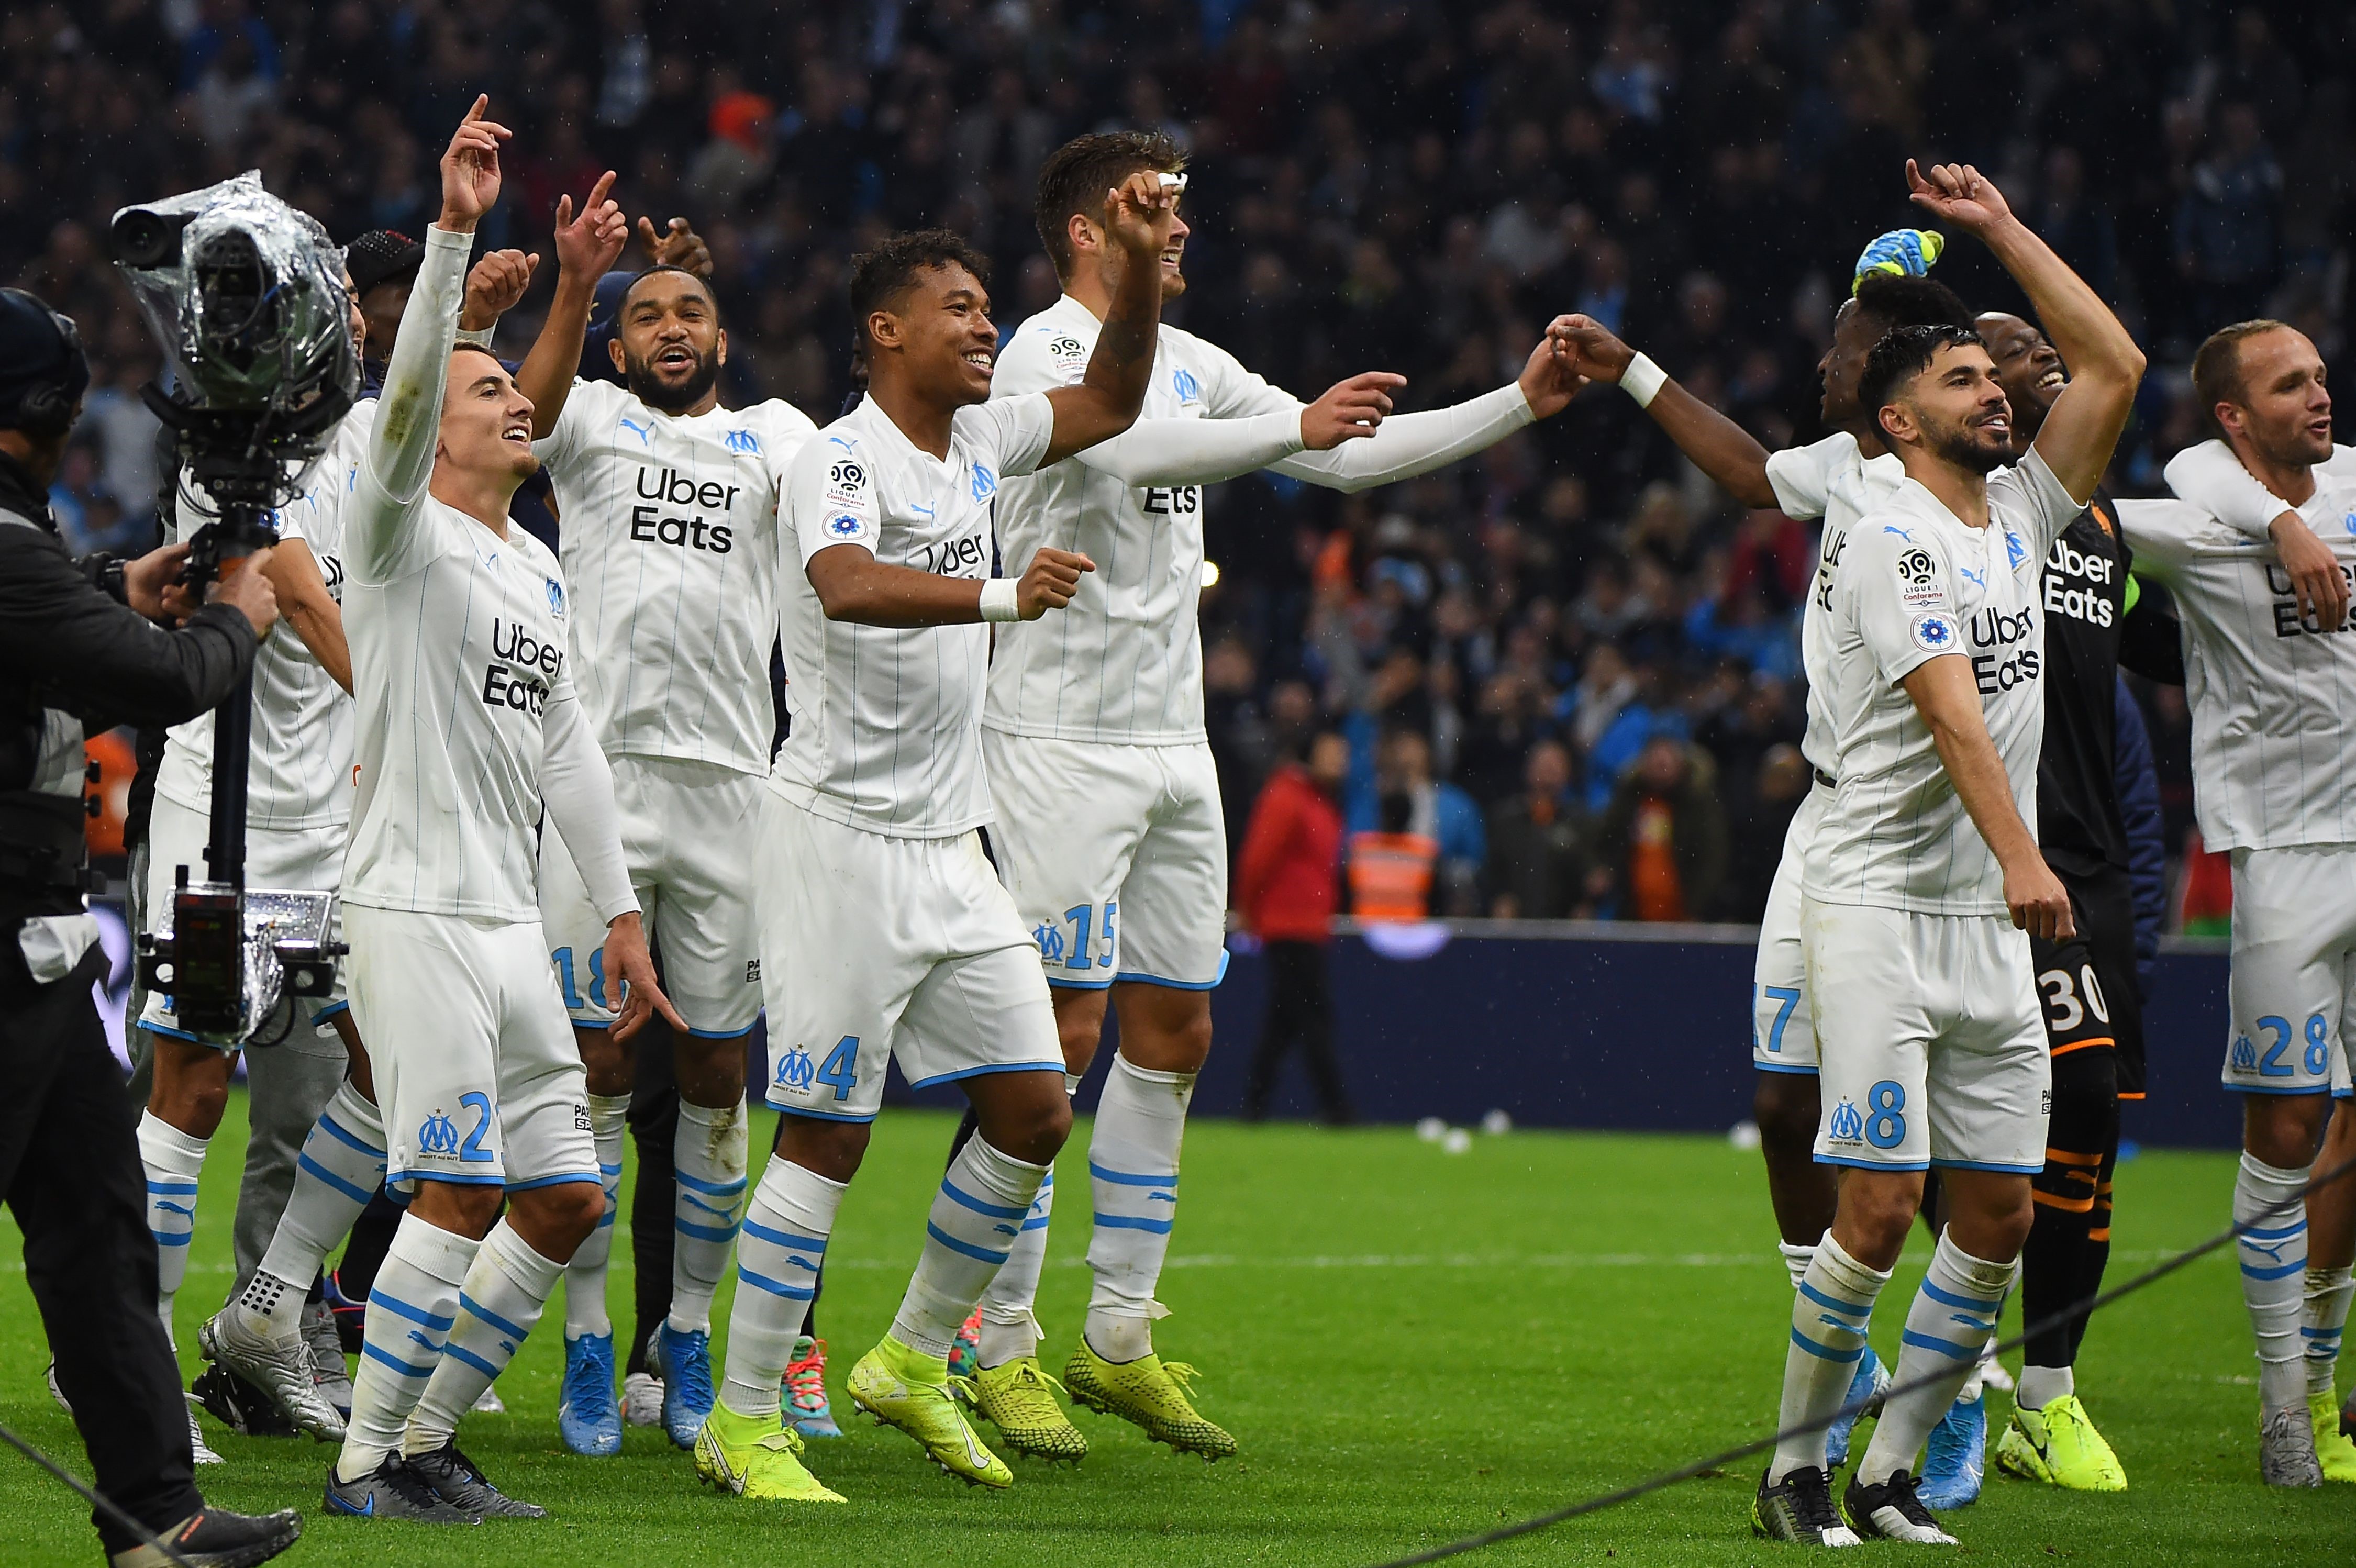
(358, 1194)
(400, 1309)
(1853, 1308)
(329, 1125)
(1825, 1352)
(957, 1194)
(1126, 1178)
(760, 1233)
(2250, 1235)
(1134, 1222)
(395, 1362)
(182, 1188)
(614, 1169)
(470, 1358)
(1949, 1298)
(2319, 1333)
(2283, 1273)
(163, 1239)
(469, 1303)
(983, 1254)
(709, 1188)
(774, 1287)
(1038, 1224)
(1940, 1346)
(702, 1232)
(611, 1212)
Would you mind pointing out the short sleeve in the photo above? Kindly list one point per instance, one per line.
(830, 498)
(1009, 435)
(1041, 355)
(2029, 498)
(1804, 477)
(1900, 585)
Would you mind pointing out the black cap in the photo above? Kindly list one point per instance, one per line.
(382, 255)
(43, 370)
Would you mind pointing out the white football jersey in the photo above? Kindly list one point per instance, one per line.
(886, 719)
(459, 661)
(1834, 481)
(667, 532)
(299, 772)
(1914, 583)
(2273, 696)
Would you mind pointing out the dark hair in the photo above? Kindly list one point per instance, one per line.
(880, 276)
(1896, 300)
(2217, 368)
(629, 288)
(1078, 173)
(1903, 353)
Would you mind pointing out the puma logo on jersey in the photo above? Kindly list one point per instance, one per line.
(645, 432)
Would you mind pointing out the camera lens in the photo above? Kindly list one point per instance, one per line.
(144, 238)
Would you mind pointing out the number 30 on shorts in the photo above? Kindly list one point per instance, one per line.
(2062, 998)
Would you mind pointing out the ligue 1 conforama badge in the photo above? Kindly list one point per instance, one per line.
(1934, 632)
(794, 1070)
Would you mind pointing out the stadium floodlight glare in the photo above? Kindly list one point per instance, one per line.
(246, 295)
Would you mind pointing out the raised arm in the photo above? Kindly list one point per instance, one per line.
(2105, 367)
(1106, 401)
(2208, 476)
(585, 246)
(1727, 454)
(309, 609)
(1949, 701)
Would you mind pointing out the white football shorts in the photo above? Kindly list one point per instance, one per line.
(687, 834)
(476, 1071)
(2294, 977)
(1116, 855)
(1782, 1025)
(1931, 1044)
(873, 948)
(293, 859)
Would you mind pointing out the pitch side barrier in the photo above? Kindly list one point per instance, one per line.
(1603, 1024)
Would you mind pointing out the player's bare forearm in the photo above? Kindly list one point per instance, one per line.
(1943, 694)
(852, 585)
(1109, 397)
(2106, 366)
(546, 374)
(305, 604)
(1721, 448)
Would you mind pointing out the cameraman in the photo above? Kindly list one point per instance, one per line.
(77, 648)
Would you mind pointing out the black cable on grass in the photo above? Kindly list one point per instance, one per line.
(1668, 1479)
(96, 1498)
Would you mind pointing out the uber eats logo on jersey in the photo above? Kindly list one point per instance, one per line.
(2075, 581)
(2008, 666)
(955, 557)
(528, 671)
(648, 525)
(1174, 500)
(2288, 622)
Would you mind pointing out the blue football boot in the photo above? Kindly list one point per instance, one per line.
(1957, 1457)
(587, 1417)
(688, 1394)
(1869, 1383)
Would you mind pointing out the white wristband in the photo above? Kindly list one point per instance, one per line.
(1642, 379)
(998, 600)
(479, 337)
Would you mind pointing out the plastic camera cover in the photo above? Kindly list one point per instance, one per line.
(253, 313)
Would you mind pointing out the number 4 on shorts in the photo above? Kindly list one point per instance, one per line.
(840, 1069)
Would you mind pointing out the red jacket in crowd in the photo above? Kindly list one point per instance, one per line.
(1287, 877)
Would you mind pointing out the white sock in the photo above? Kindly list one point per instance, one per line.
(2041, 1386)
(341, 1168)
(410, 1311)
(1133, 1179)
(2273, 1263)
(777, 1256)
(500, 1301)
(584, 1276)
(1831, 1311)
(173, 1160)
(976, 1219)
(1009, 1330)
(1952, 1320)
(1797, 1259)
(708, 1153)
(2323, 1314)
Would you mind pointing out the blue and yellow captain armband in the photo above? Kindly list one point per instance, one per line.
(1902, 252)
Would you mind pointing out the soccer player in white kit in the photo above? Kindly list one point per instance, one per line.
(1110, 833)
(667, 505)
(2270, 671)
(299, 808)
(1923, 879)
(468, 730)
(884, 934)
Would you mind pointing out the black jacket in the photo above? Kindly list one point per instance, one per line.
(74, 660)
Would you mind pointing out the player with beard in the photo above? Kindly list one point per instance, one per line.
(1923, 883)
(667, 504)
(2259, 555)
(2096, 619)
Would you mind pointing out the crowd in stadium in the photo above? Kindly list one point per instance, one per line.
(1534, 649)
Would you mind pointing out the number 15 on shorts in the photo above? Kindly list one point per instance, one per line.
(1080, 942)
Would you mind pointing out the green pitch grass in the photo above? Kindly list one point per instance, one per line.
(1411, 1346)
